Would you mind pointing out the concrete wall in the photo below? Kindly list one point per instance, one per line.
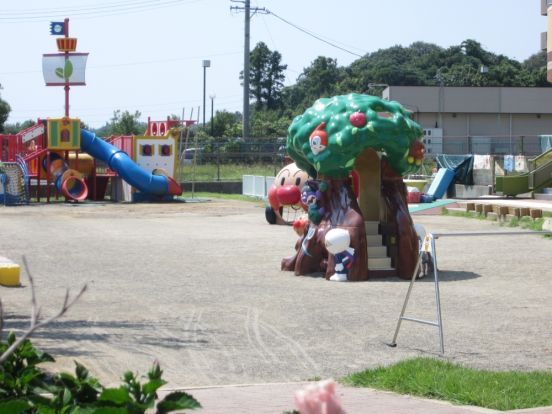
(472, 100)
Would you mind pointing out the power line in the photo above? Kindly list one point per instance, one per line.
(317, 37)
(91, 12)
(115, 65)
(70, 9)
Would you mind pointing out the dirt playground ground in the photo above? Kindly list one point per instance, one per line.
(198, 287)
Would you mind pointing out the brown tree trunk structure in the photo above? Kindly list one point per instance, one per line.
(341, 210)
(393, 191)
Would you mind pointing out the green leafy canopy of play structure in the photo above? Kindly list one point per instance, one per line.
(389, 129)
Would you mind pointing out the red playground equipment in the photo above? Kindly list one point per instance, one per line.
(76, 161)
(62, 159)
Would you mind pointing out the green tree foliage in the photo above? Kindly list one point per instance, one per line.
(123, 123)
(18, 126)
(4, 112)
(266, 77)
(350, 124)
(420, 64)
(269, 124)
(225, 124)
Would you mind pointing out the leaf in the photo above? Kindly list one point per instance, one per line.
(81, 371)
(59, 73)
(44, 356)
(177, 401)
(100, 410)
(68, 71)
(117, 396)
(153, 385)
(67, 396)
(14, 406)
(11, 338)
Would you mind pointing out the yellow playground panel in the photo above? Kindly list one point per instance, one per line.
(64, 134)
(156, 154)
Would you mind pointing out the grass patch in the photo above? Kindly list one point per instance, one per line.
(467, 214)
(436, 379)
(204, 194)
(227, 172)
(525, 222)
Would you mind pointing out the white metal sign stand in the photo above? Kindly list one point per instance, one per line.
(428, 246)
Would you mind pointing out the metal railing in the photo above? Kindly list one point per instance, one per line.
(493, 145)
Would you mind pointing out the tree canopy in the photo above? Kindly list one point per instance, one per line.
(420, 64)
(123, 123)
(266, 77)
(329, 136)
(4, 113)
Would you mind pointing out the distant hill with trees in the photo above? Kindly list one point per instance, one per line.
(421, 64)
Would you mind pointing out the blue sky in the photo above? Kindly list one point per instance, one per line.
(146, 55)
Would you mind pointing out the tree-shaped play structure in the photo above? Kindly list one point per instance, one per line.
(378, 140)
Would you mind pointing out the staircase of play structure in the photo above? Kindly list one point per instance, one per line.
(378, 260)
(537, 179)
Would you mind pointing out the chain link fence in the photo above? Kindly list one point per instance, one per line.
(211, 160)
(229, 160)
(529, 145)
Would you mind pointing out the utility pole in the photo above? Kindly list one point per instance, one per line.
(246, 50)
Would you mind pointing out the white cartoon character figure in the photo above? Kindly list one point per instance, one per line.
(318, 139)
(337, 242)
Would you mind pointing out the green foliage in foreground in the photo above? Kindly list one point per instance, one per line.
(27, 389)
(432, 378)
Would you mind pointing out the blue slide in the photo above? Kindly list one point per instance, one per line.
(122, 164)
(443, 179)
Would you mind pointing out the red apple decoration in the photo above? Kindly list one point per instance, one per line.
(417, 150)
(358, 119)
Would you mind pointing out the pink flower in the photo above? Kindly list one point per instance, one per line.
(319, 398)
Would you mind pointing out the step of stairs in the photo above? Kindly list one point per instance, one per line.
(377, 251)
(371, 227)
(373, 240)
(379, 263)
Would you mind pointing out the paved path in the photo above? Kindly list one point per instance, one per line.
(276, 398)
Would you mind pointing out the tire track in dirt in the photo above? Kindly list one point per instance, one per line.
(261, 330)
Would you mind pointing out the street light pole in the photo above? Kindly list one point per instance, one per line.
(212, 112)
(206, 64)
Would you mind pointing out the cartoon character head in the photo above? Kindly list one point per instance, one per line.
(311, 196)
(286, 188)
(318, 139)
(286, 191)
(337, 240)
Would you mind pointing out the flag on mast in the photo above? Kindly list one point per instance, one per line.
(57, 28)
